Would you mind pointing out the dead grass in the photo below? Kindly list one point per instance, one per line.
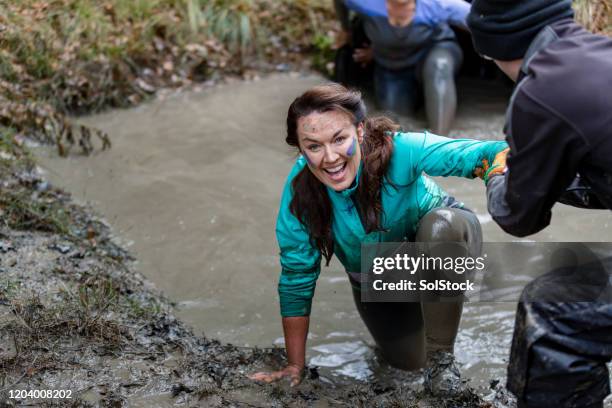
(41, 333)
(595, 15)
(19, 211)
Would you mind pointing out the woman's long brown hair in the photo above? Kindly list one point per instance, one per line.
(311, 204)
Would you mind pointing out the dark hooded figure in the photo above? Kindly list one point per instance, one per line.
(559, 129)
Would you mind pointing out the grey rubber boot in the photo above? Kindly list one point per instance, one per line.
(440, 91)
(442, 376)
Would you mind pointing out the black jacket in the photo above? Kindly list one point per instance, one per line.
(559, 128)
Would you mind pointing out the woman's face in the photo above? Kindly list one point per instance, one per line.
(401, 11)
(330, 143)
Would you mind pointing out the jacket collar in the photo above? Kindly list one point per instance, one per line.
(546, 36)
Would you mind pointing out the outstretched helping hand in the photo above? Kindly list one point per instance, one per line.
(498, 167)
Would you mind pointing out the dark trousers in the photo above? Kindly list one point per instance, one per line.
(431, 80)
(397, 91)
(405, 332)
(563, 337)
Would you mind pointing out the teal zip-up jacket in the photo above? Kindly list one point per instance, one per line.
(412, 195)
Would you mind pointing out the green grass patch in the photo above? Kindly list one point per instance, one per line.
(21, 211)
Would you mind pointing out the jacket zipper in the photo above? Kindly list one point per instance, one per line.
(359, 212)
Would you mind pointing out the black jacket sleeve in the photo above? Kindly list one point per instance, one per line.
(580, 194)
(545, 152)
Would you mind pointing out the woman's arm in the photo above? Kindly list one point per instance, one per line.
(442, 156)
(301, 265)
(296, 332)
(295, 293)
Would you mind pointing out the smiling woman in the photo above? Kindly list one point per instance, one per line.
(330, 144)
(359, 180)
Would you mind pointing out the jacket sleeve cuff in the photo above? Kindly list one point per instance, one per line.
(295, 309)
(295, 292)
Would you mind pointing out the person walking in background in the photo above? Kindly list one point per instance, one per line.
(359, 180)
(559, 129)
(413, 51)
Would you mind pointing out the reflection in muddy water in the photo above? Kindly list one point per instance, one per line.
(193, 182)
(347, 357)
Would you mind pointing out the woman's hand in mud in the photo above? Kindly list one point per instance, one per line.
(293, 372)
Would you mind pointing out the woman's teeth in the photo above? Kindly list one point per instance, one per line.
(336, 169)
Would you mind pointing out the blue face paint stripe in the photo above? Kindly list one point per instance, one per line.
(308, 159)
(351, 150)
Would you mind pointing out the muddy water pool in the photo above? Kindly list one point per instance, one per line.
(192, 186)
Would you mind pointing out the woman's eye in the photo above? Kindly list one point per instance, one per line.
(313, 148)
(340, 139)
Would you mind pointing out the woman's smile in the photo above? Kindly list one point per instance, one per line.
(336, 173)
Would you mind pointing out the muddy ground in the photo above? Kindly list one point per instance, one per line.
(74, 315)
